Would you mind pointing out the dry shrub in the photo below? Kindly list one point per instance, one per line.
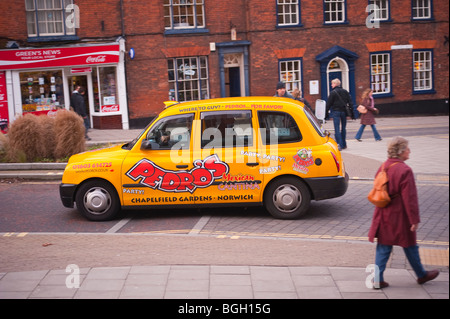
(47, 135)
(24, 139)
(32, 137)
(3, 144)
(3, 141)
(69, 133)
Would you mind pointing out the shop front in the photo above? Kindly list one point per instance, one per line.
(41, 80)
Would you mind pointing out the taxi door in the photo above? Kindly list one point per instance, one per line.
(155, 172)
(225, 145)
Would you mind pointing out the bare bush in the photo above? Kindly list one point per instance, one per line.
(24, 139)
(47, 136)
(69, 133)
(32, 138)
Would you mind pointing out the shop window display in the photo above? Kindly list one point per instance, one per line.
(41, 91)
(105, 90)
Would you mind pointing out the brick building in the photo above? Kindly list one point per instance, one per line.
(196, 49)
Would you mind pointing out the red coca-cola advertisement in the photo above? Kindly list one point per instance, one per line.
(4, 117)
(110, 108)
(57, 57)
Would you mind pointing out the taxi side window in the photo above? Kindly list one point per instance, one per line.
(278, 128)
(226, 129)
(171, 131)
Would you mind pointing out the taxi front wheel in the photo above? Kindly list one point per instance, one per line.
(97, 201)
(287, 198)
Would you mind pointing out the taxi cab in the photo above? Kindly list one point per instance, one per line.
(222, 152)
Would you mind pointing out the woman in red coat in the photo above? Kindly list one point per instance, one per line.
(396, 224)
(368, 118)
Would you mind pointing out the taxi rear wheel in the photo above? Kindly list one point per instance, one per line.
(97, 201)
(287, 198)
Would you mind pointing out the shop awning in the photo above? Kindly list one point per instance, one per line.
(58, 56)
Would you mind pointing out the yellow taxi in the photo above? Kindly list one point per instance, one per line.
(221, 152)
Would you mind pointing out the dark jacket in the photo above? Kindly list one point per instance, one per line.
(391, 225)
(77, 102)
(338, 99)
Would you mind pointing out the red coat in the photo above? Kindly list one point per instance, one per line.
(368, 118)
(391, 225)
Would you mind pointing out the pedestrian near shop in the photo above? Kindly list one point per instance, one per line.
(368, 118)
(339, 107)
(397, 223)
(78, 105)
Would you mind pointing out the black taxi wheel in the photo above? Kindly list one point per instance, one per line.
(97, 201)
(287, 198)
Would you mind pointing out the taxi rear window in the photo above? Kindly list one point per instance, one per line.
(278, 128)
(314, 121)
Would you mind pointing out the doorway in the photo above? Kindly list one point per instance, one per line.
(232, 82)
(233, 75)
(81, 80)
(337, 62)
(234, 68)
(338, 69)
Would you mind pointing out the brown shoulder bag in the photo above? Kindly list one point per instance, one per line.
(379, 195)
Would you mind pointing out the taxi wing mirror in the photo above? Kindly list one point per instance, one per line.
(147, 145)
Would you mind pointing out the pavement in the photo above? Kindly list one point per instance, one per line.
(174, 266)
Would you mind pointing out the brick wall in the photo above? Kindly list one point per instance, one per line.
(255, 21)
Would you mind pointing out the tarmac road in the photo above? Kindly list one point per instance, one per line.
(330, 237)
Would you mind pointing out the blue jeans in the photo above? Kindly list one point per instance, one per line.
(374, 129)
(412, 254)
(340, 132)
(86, 125)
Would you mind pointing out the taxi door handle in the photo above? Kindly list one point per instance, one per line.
(252, 164)
(182, 166)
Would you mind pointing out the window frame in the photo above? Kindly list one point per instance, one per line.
(164, 120)
(415, 6)
(177, 81)
(344, 13)
(172, 29)
(298, 14)
(387, 9)
(263, 129)
(300, 71)
(208, 144)
(39, 36)
(389, 55)
(428, 90)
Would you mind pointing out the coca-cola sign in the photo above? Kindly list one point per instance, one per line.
(51, 57)
(96, 59)
(110, 108)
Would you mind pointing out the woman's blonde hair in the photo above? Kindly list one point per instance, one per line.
(365, 93)
(296, 93)
(397, 146)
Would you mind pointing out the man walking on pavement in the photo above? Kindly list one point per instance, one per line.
(77, 102)
(339, 107)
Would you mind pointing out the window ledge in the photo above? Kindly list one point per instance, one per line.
(432, 91)
(186, 31)
(53, 38)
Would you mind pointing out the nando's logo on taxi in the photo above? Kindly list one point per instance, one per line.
(202, 175)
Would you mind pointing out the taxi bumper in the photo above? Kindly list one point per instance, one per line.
(67, 194)
(327, 187)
